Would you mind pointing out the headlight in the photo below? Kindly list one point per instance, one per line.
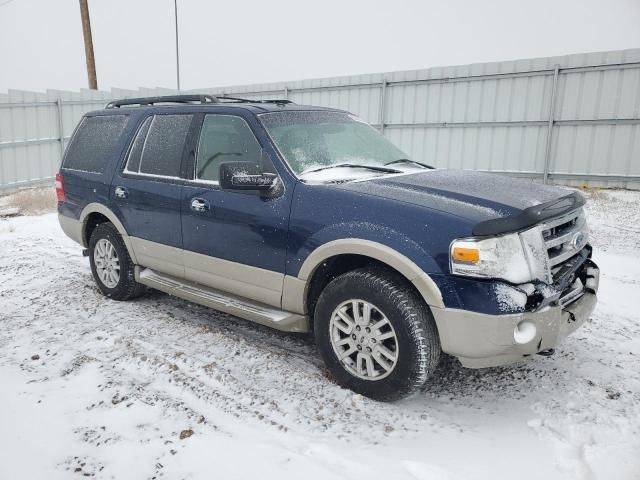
(515, 257)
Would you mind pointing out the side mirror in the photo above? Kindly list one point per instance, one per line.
(245, 176)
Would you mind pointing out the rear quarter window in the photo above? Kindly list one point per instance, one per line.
(94, 143)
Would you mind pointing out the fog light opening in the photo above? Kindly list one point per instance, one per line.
(524, 332)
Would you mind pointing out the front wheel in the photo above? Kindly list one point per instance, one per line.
(375, 334)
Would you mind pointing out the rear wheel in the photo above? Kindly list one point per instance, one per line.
(111, 265)
(377, 337)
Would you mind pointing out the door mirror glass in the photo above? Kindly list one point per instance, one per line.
(245, 176)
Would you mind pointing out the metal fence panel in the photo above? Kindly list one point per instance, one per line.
(573, 119)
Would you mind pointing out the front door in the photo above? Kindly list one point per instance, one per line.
(234, 241)
(147, 194)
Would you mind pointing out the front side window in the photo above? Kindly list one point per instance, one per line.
(94, 143)
(158, 147)
(224, 138)
(311, 141)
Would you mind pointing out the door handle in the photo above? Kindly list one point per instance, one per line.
(121, 192)
(199, 205)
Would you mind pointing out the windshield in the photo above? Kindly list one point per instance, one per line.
(324, 145)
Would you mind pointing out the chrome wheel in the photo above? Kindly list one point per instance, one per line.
(107, 263)
(364, 340)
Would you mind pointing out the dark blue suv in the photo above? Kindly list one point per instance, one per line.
(306, 219)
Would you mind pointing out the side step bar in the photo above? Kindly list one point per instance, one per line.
(224, 302)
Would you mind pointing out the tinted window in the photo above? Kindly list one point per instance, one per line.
(224, 138)
(162, 149)
(94, 143)
(133, 162)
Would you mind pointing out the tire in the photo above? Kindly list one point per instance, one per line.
(409, 328)
(126, 287)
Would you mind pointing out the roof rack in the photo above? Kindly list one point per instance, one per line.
(201, 99)
(277, 101)
(145, 101)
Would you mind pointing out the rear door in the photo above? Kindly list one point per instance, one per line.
(147, 191)
(234, 241)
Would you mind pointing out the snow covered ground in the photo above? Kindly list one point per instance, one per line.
(161, 388)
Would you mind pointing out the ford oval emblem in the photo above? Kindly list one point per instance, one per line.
(577, 240)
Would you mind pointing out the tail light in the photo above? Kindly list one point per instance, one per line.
(60, 188)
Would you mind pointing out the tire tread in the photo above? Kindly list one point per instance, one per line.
(415, 315)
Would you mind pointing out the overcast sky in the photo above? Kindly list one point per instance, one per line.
(242, 42)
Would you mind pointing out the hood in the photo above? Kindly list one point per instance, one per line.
(472, 195)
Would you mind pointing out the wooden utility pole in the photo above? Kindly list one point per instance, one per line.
(88, 45)
(175, 11)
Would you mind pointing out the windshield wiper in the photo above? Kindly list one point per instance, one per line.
(406, 160)
(353, 165)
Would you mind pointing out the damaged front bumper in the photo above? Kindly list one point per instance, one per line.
(482, 340)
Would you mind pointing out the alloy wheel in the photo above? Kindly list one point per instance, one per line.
(364, 340)
(107, 263)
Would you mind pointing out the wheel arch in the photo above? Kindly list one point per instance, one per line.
(298, 291)
(97, 210)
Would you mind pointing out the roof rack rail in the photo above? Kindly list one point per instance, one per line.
(277, 101)
(145, 101)
(202, 99)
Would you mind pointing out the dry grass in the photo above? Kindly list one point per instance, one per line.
(33, 201)
(595, 194)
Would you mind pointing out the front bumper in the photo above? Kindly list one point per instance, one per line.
(481, 340)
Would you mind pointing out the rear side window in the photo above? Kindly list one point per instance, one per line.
(94, 143)
(133, 163)
(158, 147)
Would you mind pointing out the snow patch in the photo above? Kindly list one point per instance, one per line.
(510, 299)
(339, 173)
(106, 387)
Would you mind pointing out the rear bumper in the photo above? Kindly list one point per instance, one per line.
(71, 227)
(481, 340)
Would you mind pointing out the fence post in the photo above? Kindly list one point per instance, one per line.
(383, 103)
(60, 127)
(552, 108)
(286, 93)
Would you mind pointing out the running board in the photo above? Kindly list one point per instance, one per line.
(224, 302)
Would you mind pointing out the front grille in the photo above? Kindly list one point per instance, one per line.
(564, 238)
(569, 272)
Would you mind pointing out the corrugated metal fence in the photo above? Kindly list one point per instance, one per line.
(573, 119)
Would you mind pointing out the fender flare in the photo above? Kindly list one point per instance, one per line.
(296, 288)
(101, 209)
